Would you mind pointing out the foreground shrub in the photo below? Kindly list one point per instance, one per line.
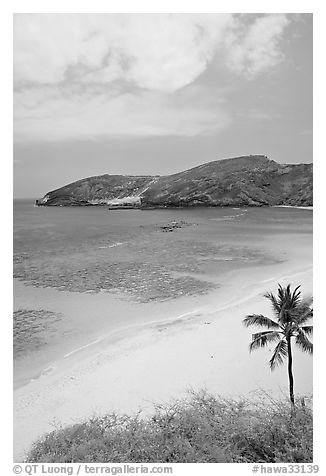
(202, 429)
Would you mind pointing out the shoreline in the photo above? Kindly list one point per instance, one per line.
(165, 207)
(144, 315)
(155, 361)
(294, 206)
(144, 312)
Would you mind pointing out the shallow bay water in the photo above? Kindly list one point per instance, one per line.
(80, 271)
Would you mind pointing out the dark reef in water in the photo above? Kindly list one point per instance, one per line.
(252, 180)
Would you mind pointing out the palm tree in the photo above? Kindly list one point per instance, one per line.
(291, 314)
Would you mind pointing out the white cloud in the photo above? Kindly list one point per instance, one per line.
(93, 75)
(254, 49)
(156, 51)
(49, 114)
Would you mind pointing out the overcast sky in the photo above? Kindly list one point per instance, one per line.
(156, 93)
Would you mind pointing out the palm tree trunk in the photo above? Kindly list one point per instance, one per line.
(291, 381)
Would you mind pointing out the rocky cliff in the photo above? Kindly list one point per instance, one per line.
(251, 180)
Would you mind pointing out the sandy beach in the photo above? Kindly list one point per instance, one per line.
(170, 348)
(292, 206)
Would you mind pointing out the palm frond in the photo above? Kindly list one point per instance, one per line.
(261, 321)
(288, 303)
(307, 329)
(275, 304)
(261, 339)
(302, 313)
(285, 301)
(281, 292)
(295, 298)
(279, 354)
(303, 342)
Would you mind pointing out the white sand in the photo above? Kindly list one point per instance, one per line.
(158, 361)
(293, 206)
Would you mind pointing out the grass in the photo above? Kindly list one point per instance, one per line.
(202, 429)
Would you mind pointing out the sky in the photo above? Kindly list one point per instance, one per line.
(154, 94)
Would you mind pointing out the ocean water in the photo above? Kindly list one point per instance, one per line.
(94, 249)
(142, 257)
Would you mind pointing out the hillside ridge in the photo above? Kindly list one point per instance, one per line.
(253, 180)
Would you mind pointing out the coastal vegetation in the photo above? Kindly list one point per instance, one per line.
(202, 429)
(292, 314)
